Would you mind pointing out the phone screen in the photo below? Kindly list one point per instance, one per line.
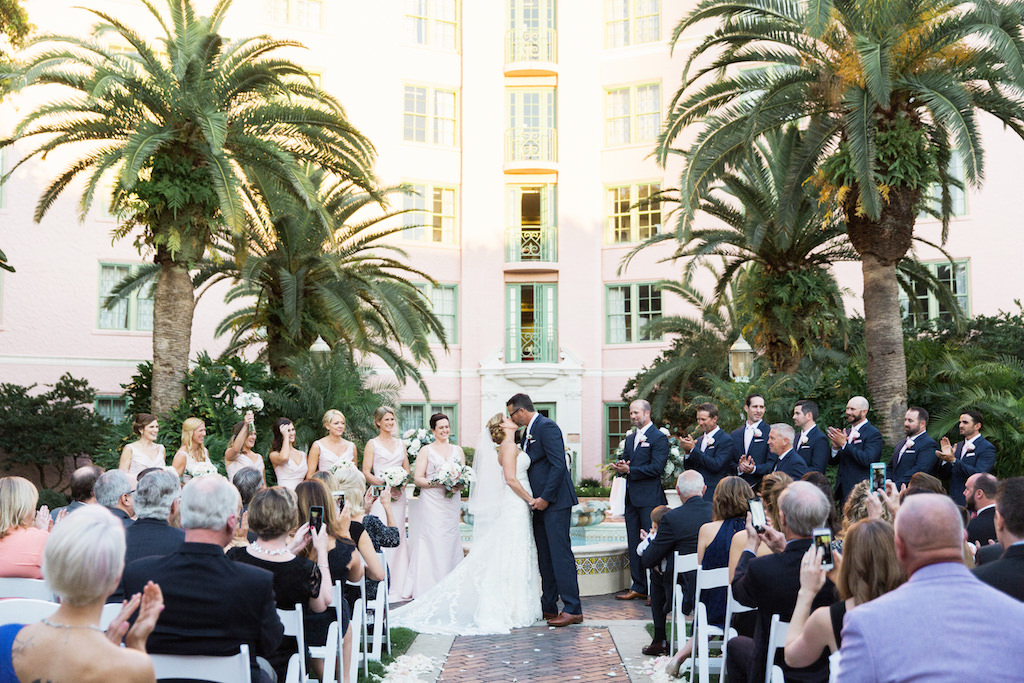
(757, 517)
(823, 540)
(316, 517)
(377, 490)
(877, 477)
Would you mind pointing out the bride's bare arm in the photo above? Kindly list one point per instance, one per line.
(507, 456)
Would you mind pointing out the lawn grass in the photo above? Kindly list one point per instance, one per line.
(401, 639)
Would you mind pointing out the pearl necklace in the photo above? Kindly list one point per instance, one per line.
(267, 551)
(55, 625)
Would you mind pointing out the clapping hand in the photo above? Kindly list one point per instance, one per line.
(150, 603)
(621, 466)
(837, 437)
(43, 520)
(746, 464)
(687, 442)
(945, 451)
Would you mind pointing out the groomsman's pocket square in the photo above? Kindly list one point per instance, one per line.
(644, 445)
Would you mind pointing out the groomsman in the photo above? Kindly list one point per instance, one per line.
(755, 459)
(786, 459)
(714, 454)
(855, 448)
(972, 455)
(810, 442)
(643, 462)
(917, 452)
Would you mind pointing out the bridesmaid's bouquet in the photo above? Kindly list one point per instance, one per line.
(248, 400)
(395, 477)
(201, 469)
(452, 474)
(415, 439)
(342, 466)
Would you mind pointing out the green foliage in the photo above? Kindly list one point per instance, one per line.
(51, 499)
(591, 488)
(903, 153)
(14, 26)
(47, 430)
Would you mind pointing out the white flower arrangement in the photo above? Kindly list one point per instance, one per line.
(415, 439)
(452, 474)
(248, 400)
(710, 442)
(201, 469)
(341, 466)
(664, 430)
(395, 477)
(757, 433)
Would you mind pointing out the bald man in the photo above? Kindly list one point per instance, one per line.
(940, 592)
(855, 448)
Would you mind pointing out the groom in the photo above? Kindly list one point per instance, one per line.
(553, 499)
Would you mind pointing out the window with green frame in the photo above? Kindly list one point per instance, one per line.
(417, 416)
(133, 313)
(532, 323)
(628, 308)
(431, 215)
(956, 195)
(432, 23)
(111, 407)
(632, 114)
(616, 424)
(634, 213)
(444, 301)
(308, 14)
(955, 276)
(430, 108)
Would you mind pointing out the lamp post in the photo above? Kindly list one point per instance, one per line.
(320, 347)
(741, 358)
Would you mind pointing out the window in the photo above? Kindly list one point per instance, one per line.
(634, 213)
(632, 114)
(531, 234)
(417, 416)
(616, 424)
(432, 218)
(532, 325)
(956, 195)
(441, 110)
(302, 13)
(132, 313)
(631, 22)
(531, 124)
(111, 407)
(444, 301)
(432, 22)
(628, 309)
(531, 35)
(955, 276)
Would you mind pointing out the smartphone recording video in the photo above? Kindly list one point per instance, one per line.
(316, 517)
(823, 540)
(757, 517)
(877, 479)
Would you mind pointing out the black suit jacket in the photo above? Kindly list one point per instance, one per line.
(211, 604)
(646, 465)
(988, 553)
(718, 461)
(678, 532)
(1007, 573)
(123, 516)
(770, 583)
(792, 464)
(758, 450)
(982, 458)
(855, 459)
(982, 528)
(919, 457)
(816, 452)
(147, 538)
(548, 473)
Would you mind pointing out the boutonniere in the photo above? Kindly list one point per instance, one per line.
(640, 438)
(854, 435)
(968, 448)
(757, 433)
(710, 441)
(803, 439)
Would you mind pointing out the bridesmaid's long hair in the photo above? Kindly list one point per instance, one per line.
(277, 443)
(188, 428)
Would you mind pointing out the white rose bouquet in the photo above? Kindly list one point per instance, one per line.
(452, 474)
(342, 466)
(395, 477)
(248, 400)
(415, 439)
(201, 469)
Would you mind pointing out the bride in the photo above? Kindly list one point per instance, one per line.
(497, 586)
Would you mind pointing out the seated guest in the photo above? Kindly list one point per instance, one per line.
(248, 481)
(980, 494)
(898, 636)
(823, 484)
(1007, 573)
(780, 443)
(857, 508)
(23, 531)
(771, 583)
(82, 482)
(273, 513)
(82, 564)
(917, 452)
(212, 605)
(772, 487)
(868, 569)
(115, 492)
(677, 533)
(922, 481)
(352, 484)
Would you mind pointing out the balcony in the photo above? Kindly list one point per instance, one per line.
(534, 344)
(531, 52)
(531, 150)
(530, 248)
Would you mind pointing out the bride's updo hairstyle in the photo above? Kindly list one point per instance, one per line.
(494, 427)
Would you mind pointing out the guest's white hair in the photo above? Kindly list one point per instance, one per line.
(155, 493)
(352, 483)
(110, 487)
(784, 430)
(207, 502)
(84, 556)
(689, 483)
(805, 507)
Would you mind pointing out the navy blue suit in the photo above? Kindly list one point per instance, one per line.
(855, 459)
(919, 457)
(816, 452)
(715, 463)
(644, 492)
(147, 537)
(792, 464)
(982, 458)
(550, 480)
(764, 459)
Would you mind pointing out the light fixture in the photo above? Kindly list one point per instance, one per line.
(741, 358)
(320, 346)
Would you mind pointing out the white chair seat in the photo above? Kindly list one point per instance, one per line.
(25, 611)
(33, 589)
(231, 669)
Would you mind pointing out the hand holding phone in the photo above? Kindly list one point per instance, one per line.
(757, 518)
(877, 480)
(823, 540)
(316, 517)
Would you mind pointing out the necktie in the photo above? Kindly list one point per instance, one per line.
(906, 444)
(747, 438)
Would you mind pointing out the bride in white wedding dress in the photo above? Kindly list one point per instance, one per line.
(497, 586)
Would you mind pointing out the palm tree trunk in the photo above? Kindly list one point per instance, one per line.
(173, 306)
(883, 337)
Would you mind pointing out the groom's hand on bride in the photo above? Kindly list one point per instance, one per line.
(539, 504)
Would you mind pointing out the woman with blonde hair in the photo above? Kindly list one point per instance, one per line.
(333, 448)
(192, 451)
(240, 454)
(384, 452)
(144, 452)
(23, 531)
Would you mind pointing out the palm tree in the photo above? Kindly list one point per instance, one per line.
(182, 128)
(885, 92)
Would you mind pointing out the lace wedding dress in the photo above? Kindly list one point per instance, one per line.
(497, 586)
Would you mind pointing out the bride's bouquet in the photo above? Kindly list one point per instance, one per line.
(452, 474)
(201, 469)
(395, 477)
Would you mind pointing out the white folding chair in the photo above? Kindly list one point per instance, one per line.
(292, 621)
(32, 589)
(708, 635)
(361, 636)
(331, 651)
(110, 610)
(681, 564)
(378, 611)
(25, 610)
(356, 624)
(732, 607)
(776, 641)
(230, 669)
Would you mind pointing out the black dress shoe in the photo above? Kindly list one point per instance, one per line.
(656, 648)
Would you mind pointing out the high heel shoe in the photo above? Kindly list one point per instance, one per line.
(676, 668)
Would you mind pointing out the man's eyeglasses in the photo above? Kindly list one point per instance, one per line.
(513, 413)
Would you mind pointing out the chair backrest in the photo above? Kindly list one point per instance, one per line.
(110, 611)
(25, 610)
(681, 564)
(356, 624)
(33, 589)
(776, 641)
(291, 619)
(711, 578)
(230, 669)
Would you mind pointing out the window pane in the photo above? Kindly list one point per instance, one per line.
(144, 311)
(618, 315)
(111, 408)
(616, 426)
(648, 112)
(649, 309)
(309, 13)
(648, 26)
(617, 116)
(411, 416)
(417, 217)
(444, 117)
(445, 25)
(415, 118)
(443, 302)
(648, 214)
(416, 22)
(616, 13)
(115, 318)
(276, 11)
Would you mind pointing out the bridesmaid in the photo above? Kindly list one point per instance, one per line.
(145, 452)
(437, 543)
(382, 452)
(288, 461)
(239, 453)
(193, 435)
(332, 449)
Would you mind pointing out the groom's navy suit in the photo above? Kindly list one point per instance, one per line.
(549, 479)
(643, 492)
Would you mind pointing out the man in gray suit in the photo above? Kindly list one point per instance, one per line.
(941, 591)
